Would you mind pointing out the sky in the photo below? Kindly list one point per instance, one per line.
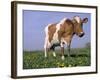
(34, 23)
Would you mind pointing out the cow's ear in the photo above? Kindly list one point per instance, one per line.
(85, 20)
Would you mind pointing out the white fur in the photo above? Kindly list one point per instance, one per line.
(63, 41)
(55, 37)
(77, 18)
(63, 20)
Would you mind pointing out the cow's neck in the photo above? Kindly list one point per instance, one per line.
(74, 26)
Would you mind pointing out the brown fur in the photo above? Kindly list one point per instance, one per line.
(51, 31)
(67, 29)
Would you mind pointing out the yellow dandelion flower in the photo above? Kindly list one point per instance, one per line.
(61, 65)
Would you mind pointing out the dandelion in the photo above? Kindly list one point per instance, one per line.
(61, 65)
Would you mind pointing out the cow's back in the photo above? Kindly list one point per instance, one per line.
(51, 29)
(58, 30)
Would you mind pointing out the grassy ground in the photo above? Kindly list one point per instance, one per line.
(35, 59)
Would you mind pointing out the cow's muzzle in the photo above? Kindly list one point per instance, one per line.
(81, 34)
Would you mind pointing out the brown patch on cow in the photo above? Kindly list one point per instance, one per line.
(66, 31)
(51, 31)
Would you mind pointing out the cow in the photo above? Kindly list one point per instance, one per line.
(61, 33)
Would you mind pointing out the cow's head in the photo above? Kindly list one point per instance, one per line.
(78, 25)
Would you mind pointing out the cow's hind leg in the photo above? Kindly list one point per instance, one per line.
(45, 52)
(53, 49)
(68, 47)
(45, 47)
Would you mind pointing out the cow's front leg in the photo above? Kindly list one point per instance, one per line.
(67, 42)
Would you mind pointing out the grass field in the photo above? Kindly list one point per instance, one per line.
(35, 59)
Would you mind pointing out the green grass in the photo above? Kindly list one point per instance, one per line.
(35, 59)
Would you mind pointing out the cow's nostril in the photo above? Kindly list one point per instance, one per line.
(81, 34)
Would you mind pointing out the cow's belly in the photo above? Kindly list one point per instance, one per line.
(55, 41)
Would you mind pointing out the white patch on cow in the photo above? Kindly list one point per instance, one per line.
(55, 36)
(61, 44)
(46, 37)
(63, 21)
(77, 18)
(63, 41)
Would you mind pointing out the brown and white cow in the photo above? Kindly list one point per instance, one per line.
(61, 33)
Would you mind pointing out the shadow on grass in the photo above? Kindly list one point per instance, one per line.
(77, 55)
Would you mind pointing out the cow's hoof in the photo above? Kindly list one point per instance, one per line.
(45, 56)
(62, 57)
(54, 54)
